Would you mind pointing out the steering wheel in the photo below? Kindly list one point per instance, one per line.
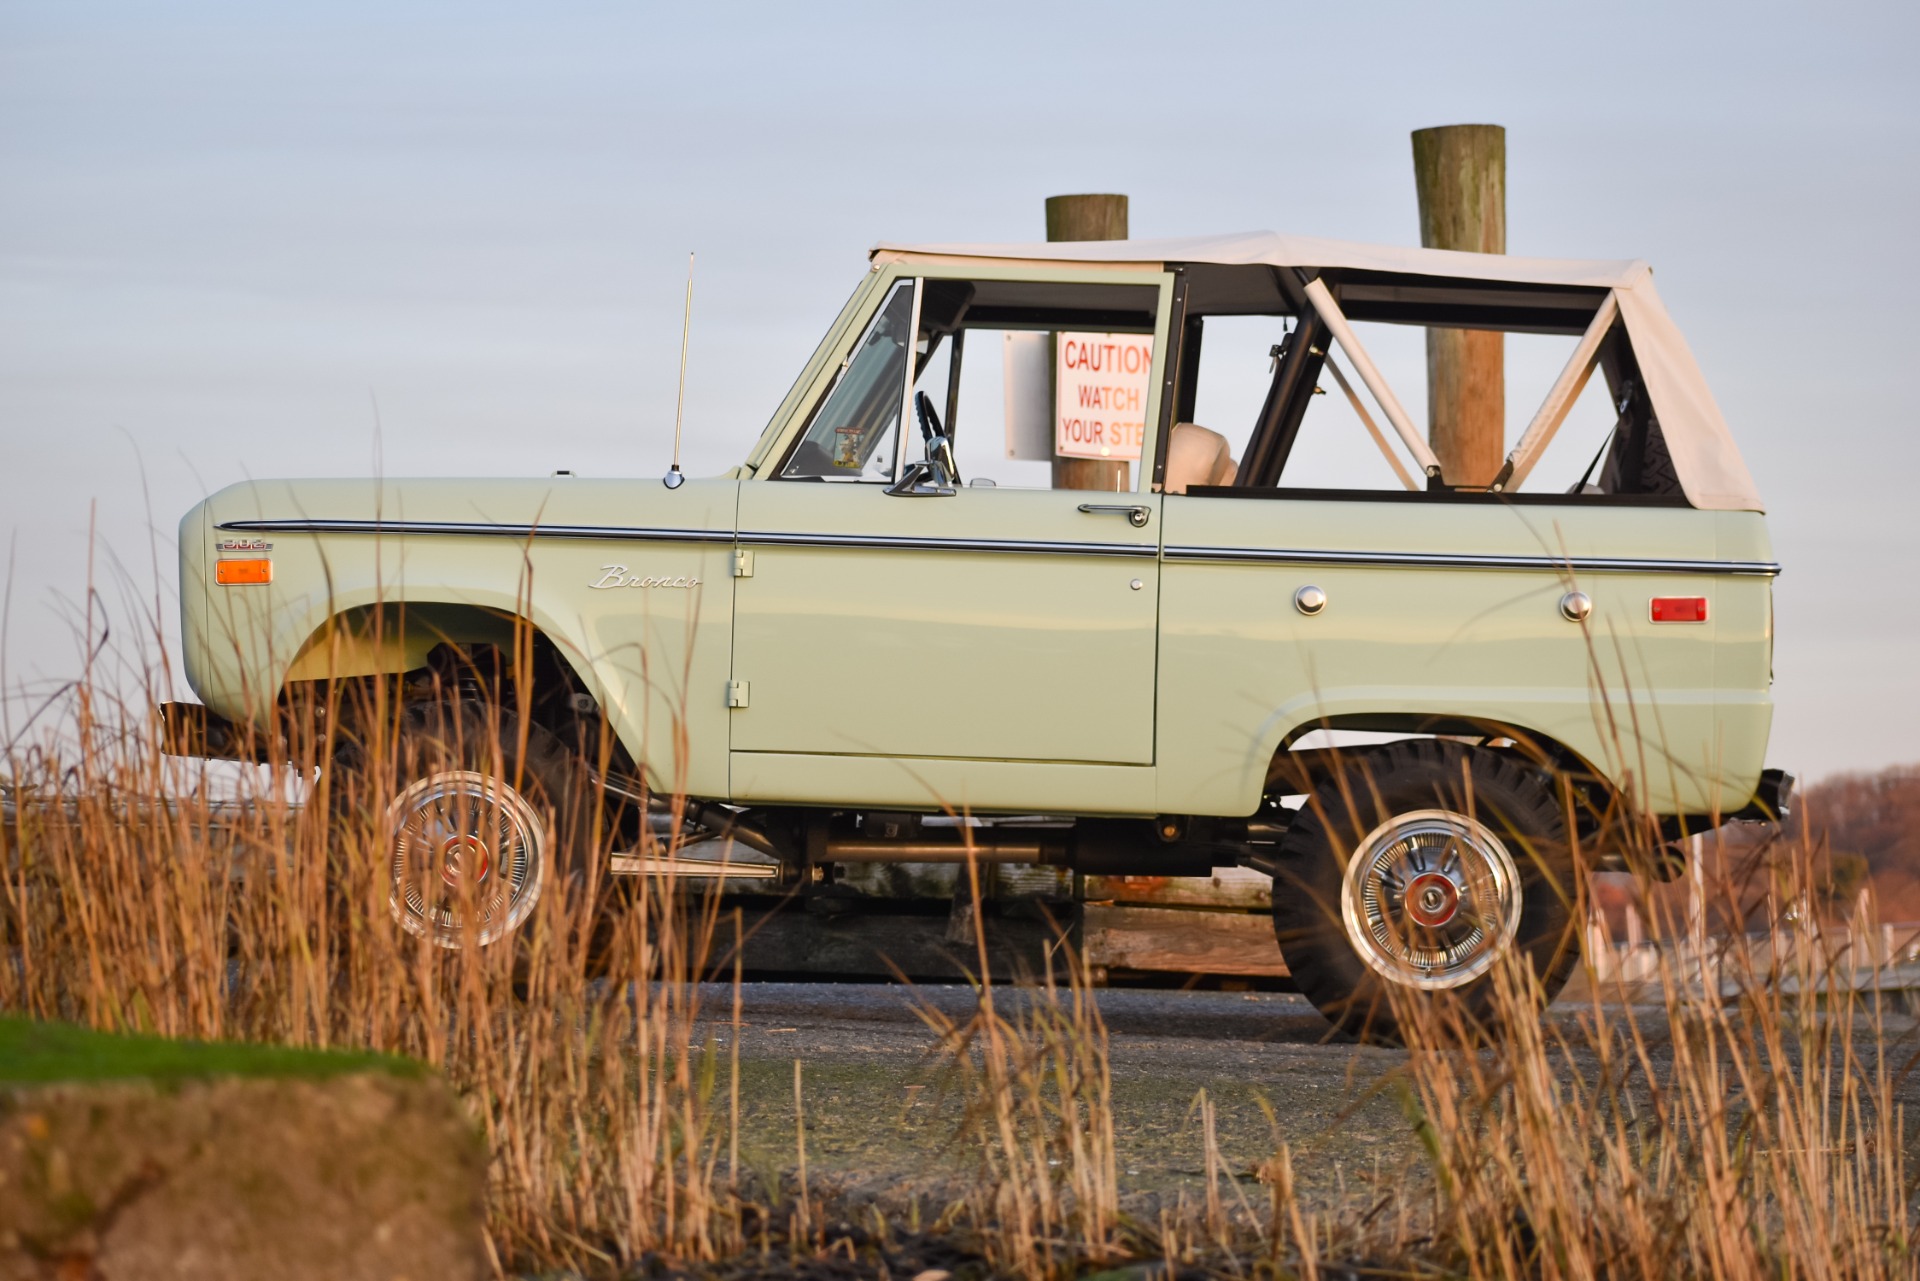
(929, 420)
(939, 448)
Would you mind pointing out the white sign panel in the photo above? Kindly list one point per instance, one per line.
(1025, 360)
(1100, 394)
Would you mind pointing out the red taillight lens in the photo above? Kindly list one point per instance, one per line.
(1679, 609)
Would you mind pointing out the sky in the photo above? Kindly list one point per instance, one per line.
(415, 239)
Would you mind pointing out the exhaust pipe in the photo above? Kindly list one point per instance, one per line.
(985, 847)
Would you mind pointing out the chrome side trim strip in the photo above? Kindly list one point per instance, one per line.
(1031, 547)
(755, 538)
(1446, 560)
(484, 529)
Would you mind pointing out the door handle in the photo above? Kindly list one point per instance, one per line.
(1136, 516)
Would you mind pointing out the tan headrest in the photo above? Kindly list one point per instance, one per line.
(1197, 456)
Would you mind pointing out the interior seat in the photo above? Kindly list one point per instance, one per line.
(1197, 456)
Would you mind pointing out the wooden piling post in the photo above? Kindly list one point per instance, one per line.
(1090, 217)
(1460, 174)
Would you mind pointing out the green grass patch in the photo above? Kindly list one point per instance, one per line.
(35, 1053)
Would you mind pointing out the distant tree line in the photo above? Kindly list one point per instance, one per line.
(1868, 827)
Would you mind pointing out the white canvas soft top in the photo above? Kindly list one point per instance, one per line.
(1705, 458)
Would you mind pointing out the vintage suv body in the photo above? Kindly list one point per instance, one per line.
(841, 632)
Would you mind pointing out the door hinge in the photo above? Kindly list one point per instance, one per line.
(738, 692)
(742, 563)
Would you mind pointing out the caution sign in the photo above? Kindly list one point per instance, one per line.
(1100, 394)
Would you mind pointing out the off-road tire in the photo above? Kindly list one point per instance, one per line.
(1506, 795)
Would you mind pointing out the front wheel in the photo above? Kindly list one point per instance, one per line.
(486, 817)
(1410, 873)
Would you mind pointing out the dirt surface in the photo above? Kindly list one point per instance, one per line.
(881, 1107)
(375, 1175)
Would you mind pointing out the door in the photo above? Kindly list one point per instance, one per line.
(993, 624)
(877, 617)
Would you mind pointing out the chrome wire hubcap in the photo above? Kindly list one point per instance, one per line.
(465, 847)
(1431, 899)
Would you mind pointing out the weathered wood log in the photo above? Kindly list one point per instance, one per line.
(1460, 175)
(1229, 889)
(1188, 942)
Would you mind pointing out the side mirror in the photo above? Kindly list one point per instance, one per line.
(936, 477)
(940, 454)
(928, 478)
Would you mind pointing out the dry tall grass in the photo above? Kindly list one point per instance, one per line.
(1733, 1115)
(1747, 1128)
(134, 898)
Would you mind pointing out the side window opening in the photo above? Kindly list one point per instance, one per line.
(1637, 461)
(968, 378)
(1295, 414)
(988, 365)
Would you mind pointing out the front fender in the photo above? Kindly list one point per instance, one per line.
(649, 656)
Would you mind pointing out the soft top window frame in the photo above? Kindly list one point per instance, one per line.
(1326, 302)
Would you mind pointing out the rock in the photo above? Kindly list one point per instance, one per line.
(141, 1159)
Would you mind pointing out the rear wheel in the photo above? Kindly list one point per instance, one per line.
(1409, 874)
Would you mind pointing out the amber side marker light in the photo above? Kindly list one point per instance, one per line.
(1679, 609)
(235, 572)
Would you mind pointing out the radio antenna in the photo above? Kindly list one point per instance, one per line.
(674, 479)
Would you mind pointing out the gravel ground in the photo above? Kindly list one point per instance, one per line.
(881, 1107)
(881, 1110)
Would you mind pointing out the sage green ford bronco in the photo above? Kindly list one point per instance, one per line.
(898, 632)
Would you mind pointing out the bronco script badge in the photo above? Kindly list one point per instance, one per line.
(617, 576)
